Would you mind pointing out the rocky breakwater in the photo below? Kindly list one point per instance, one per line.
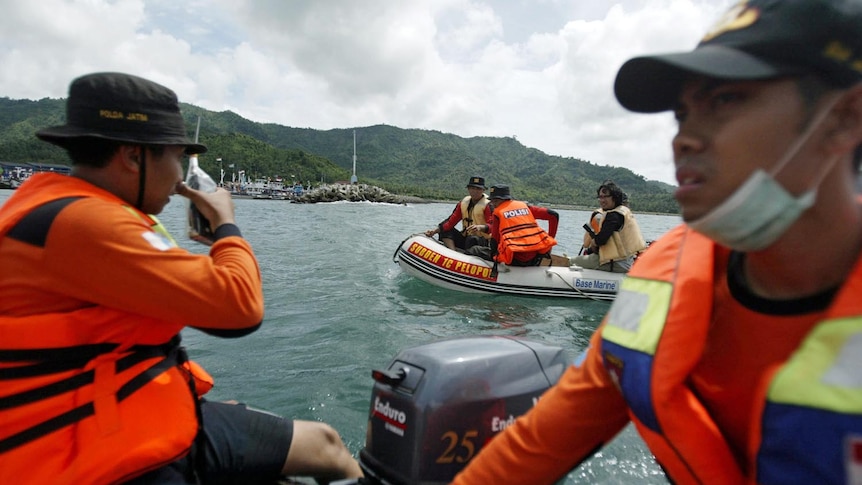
(351, 193)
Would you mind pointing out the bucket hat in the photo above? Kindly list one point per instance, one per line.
(476, 182)
(121, 107)
(500, 192)
(755, 39)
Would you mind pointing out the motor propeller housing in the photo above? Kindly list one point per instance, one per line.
(436, 405)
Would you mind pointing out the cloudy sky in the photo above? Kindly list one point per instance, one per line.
(539, 70)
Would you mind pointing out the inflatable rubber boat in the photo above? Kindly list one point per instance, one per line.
(429, 260)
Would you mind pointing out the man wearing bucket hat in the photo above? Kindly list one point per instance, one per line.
(520, 240)
(733, 344)
(469, 211)
(95, 385)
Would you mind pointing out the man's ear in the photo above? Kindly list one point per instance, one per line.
(131, 156)
(847, 135)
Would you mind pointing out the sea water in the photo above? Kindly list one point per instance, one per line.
(337, 306)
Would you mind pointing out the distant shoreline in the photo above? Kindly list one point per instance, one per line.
(553, 206)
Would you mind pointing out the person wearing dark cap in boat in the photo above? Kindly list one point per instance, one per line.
(613, 238)
(470, 211)
(732, 346)
(96, 387)
(520, 239)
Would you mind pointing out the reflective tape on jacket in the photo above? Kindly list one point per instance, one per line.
(631, 334)
(816, 395)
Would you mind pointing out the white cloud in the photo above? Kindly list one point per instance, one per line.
(539, 70)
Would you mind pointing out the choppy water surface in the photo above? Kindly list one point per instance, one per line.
(337, 306)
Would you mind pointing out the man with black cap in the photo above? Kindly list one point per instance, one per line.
(470, 211)
(95, 385)
(734, 343)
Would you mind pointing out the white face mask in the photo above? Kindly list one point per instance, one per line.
(755, 215)
(760, 211)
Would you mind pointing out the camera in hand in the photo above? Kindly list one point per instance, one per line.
(199, 227)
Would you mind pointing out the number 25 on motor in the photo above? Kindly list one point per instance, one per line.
(458, 450)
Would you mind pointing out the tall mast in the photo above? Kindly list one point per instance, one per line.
(198, 129)
(353, 178)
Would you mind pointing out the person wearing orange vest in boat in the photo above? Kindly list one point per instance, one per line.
(469, 211)
(95, 387)
(732, 347)
(614, 237)
(520, 239)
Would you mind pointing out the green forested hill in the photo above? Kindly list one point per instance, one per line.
(422, 163)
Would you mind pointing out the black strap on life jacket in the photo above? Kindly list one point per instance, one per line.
(73, 357)
(33, 227)
(468, 221)
(536, 230)
(494, 252)
(197, 455)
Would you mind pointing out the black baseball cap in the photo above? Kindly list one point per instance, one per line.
(755, 39)
(121, 107)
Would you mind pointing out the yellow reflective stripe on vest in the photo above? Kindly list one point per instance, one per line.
(638, 314)
(161, 229)
(826, 371)
(157, 227)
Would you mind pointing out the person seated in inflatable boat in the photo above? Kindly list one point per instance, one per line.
(520, 239)
(612, 238)
(472, 210)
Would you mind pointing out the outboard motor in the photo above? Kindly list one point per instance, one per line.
(435, 406)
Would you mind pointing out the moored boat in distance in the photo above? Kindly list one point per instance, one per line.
(260, 189)
(429, 260)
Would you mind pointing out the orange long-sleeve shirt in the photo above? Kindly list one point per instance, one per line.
(98, 252)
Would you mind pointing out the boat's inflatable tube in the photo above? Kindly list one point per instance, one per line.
(429, 260)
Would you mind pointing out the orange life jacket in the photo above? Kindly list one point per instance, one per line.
(809, 426)
(596, 220)
(95, 395)
(519, 232)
